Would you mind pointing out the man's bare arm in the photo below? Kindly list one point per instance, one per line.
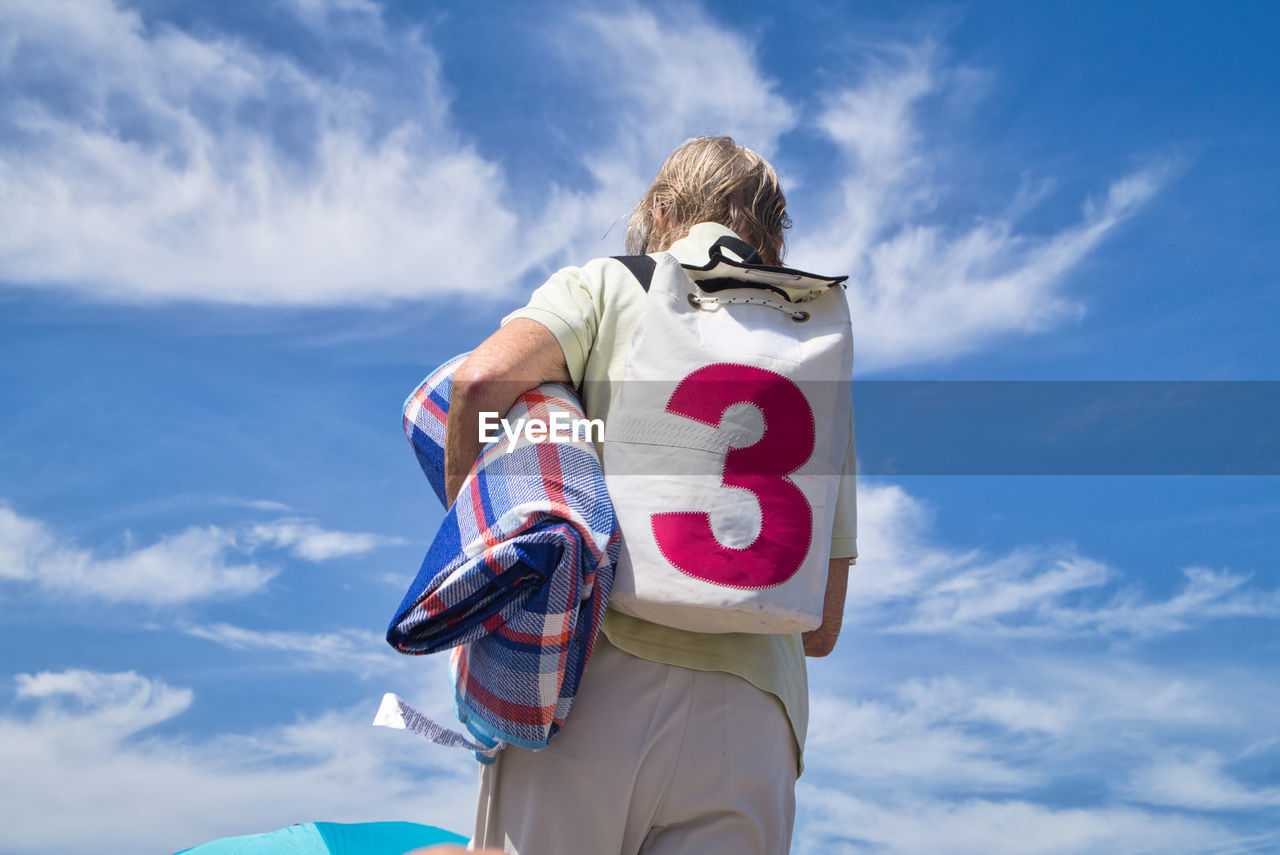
(515, 359)
(821, 641)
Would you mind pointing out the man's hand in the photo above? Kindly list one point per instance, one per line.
(821, 641)
(515, 359)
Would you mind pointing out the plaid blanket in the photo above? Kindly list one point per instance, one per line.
(517, 578)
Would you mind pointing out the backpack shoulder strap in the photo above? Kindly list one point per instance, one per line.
(641, 267)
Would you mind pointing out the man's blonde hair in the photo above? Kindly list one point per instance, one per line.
(712, 179)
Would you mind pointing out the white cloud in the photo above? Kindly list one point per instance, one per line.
(162, 793)
(919, 291)
(194, 564)
(1196, 780)
(678, 81)
(985, 758)
(897, 552)
(308, 540)
(662, 76)
(897, 744)
(173, 165)
(1207, 594)
(268, 505)
(1001, 723)
(168, 164)
(355, 650)
(319, 12)
(1006, 729)
(951, 699)
(197, 563)
(906, 583)
(1114, 698)
(970, 707)
(112, 704)
(839, 822)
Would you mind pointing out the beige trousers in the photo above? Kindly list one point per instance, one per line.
(653, 759)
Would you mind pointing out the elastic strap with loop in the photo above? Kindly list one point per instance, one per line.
(729, 299)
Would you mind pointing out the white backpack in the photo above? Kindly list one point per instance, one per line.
(725, 443)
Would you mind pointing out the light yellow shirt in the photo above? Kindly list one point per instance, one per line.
(592, 311)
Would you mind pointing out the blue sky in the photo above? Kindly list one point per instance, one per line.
(234, 236)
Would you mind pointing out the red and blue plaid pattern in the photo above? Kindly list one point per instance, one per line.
(517, 578)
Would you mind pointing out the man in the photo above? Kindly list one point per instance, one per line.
(678, 741)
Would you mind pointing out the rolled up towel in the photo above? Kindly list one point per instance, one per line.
(517, 578)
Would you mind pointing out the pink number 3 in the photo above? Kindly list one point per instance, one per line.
(786, 521)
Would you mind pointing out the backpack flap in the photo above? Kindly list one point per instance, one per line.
(723, 271)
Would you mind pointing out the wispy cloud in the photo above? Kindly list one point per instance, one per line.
(979, 762)
(1005, 703)
(116, 704)
(308, 540)
(662, 75)
(266, 505)
(76, 753)
(194, 564)
(699, 77)
(198, 563)
(169, 164)
(355, 650)
(922, 290)
(1196, 779)
(839, 822)
(145, 162)
(901, 741)
(907, 583)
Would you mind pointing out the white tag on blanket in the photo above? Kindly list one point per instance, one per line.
(396, 712)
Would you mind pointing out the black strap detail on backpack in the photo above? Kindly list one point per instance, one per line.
(641, 267)
(739, 247)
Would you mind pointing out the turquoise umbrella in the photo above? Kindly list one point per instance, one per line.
(338, 838)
